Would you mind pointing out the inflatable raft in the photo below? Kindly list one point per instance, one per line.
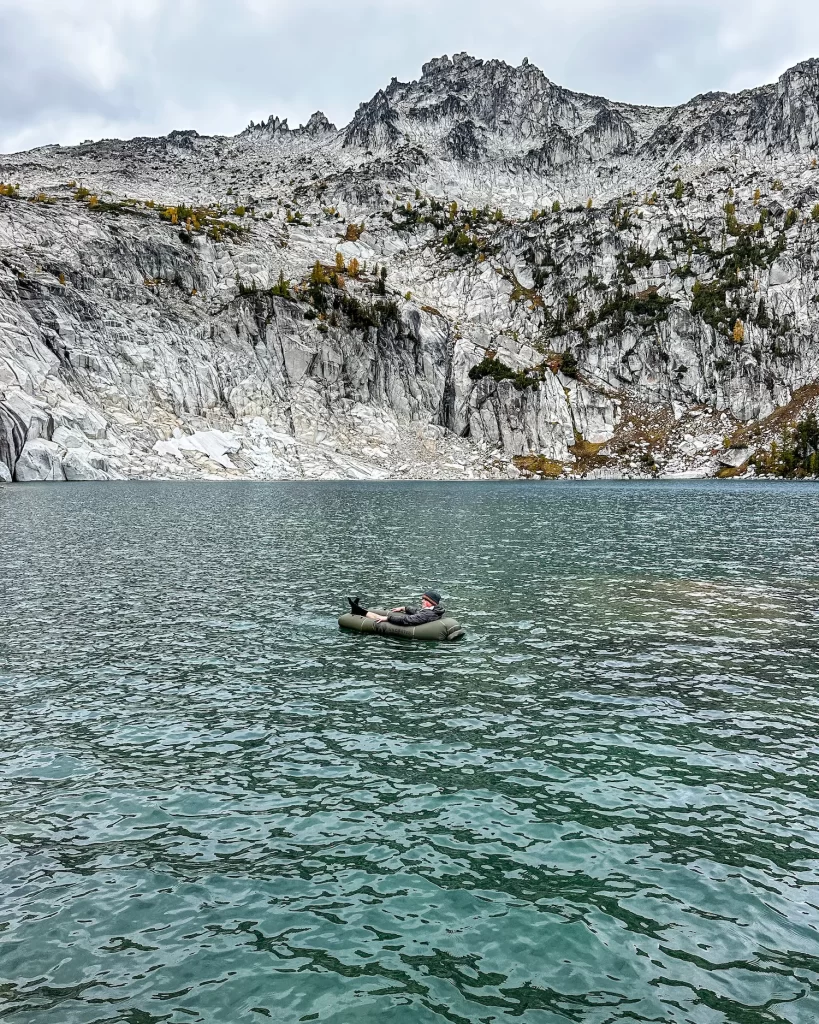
(445, 629)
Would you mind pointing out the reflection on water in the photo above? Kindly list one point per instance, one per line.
(601, 807)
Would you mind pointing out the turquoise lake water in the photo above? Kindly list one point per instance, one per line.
(602, 806)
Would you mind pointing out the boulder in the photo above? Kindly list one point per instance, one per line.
(783, 271)
(83, 465)
(81, 419)
(734, 457)
(67, 438)
(39, 460)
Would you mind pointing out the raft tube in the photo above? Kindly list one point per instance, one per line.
(445, 629)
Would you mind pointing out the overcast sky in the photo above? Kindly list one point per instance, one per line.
(77, 69)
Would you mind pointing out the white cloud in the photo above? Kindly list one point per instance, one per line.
(119, 67)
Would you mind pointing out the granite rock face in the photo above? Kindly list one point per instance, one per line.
(482, 275)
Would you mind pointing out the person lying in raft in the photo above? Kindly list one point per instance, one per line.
(430, 611)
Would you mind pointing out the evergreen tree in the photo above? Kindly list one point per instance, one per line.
(281, 287)
(762, 318)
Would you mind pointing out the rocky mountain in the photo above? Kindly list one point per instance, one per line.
(482, 274)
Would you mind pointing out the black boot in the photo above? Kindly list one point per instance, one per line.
(355, 607)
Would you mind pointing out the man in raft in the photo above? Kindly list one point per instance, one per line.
(430, 610)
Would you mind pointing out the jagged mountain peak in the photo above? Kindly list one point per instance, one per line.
(467, 110)
(491, 119)
(804, 67)
(273, 126)
(374, 124)
(319, 122)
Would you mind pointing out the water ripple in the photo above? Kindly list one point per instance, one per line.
(601, 807)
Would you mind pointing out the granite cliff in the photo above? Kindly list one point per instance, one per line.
(482, 274)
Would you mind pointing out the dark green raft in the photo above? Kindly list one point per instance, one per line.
(445, 629)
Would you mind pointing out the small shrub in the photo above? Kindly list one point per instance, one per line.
(637, 257)
(461, 242)
(362, 316)
(814, 213)
(555, 207)
(739, 332)
(490, 366)
(647, 307)
(539, 465)
(791, 218)
(710, 301)
(353, 232)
